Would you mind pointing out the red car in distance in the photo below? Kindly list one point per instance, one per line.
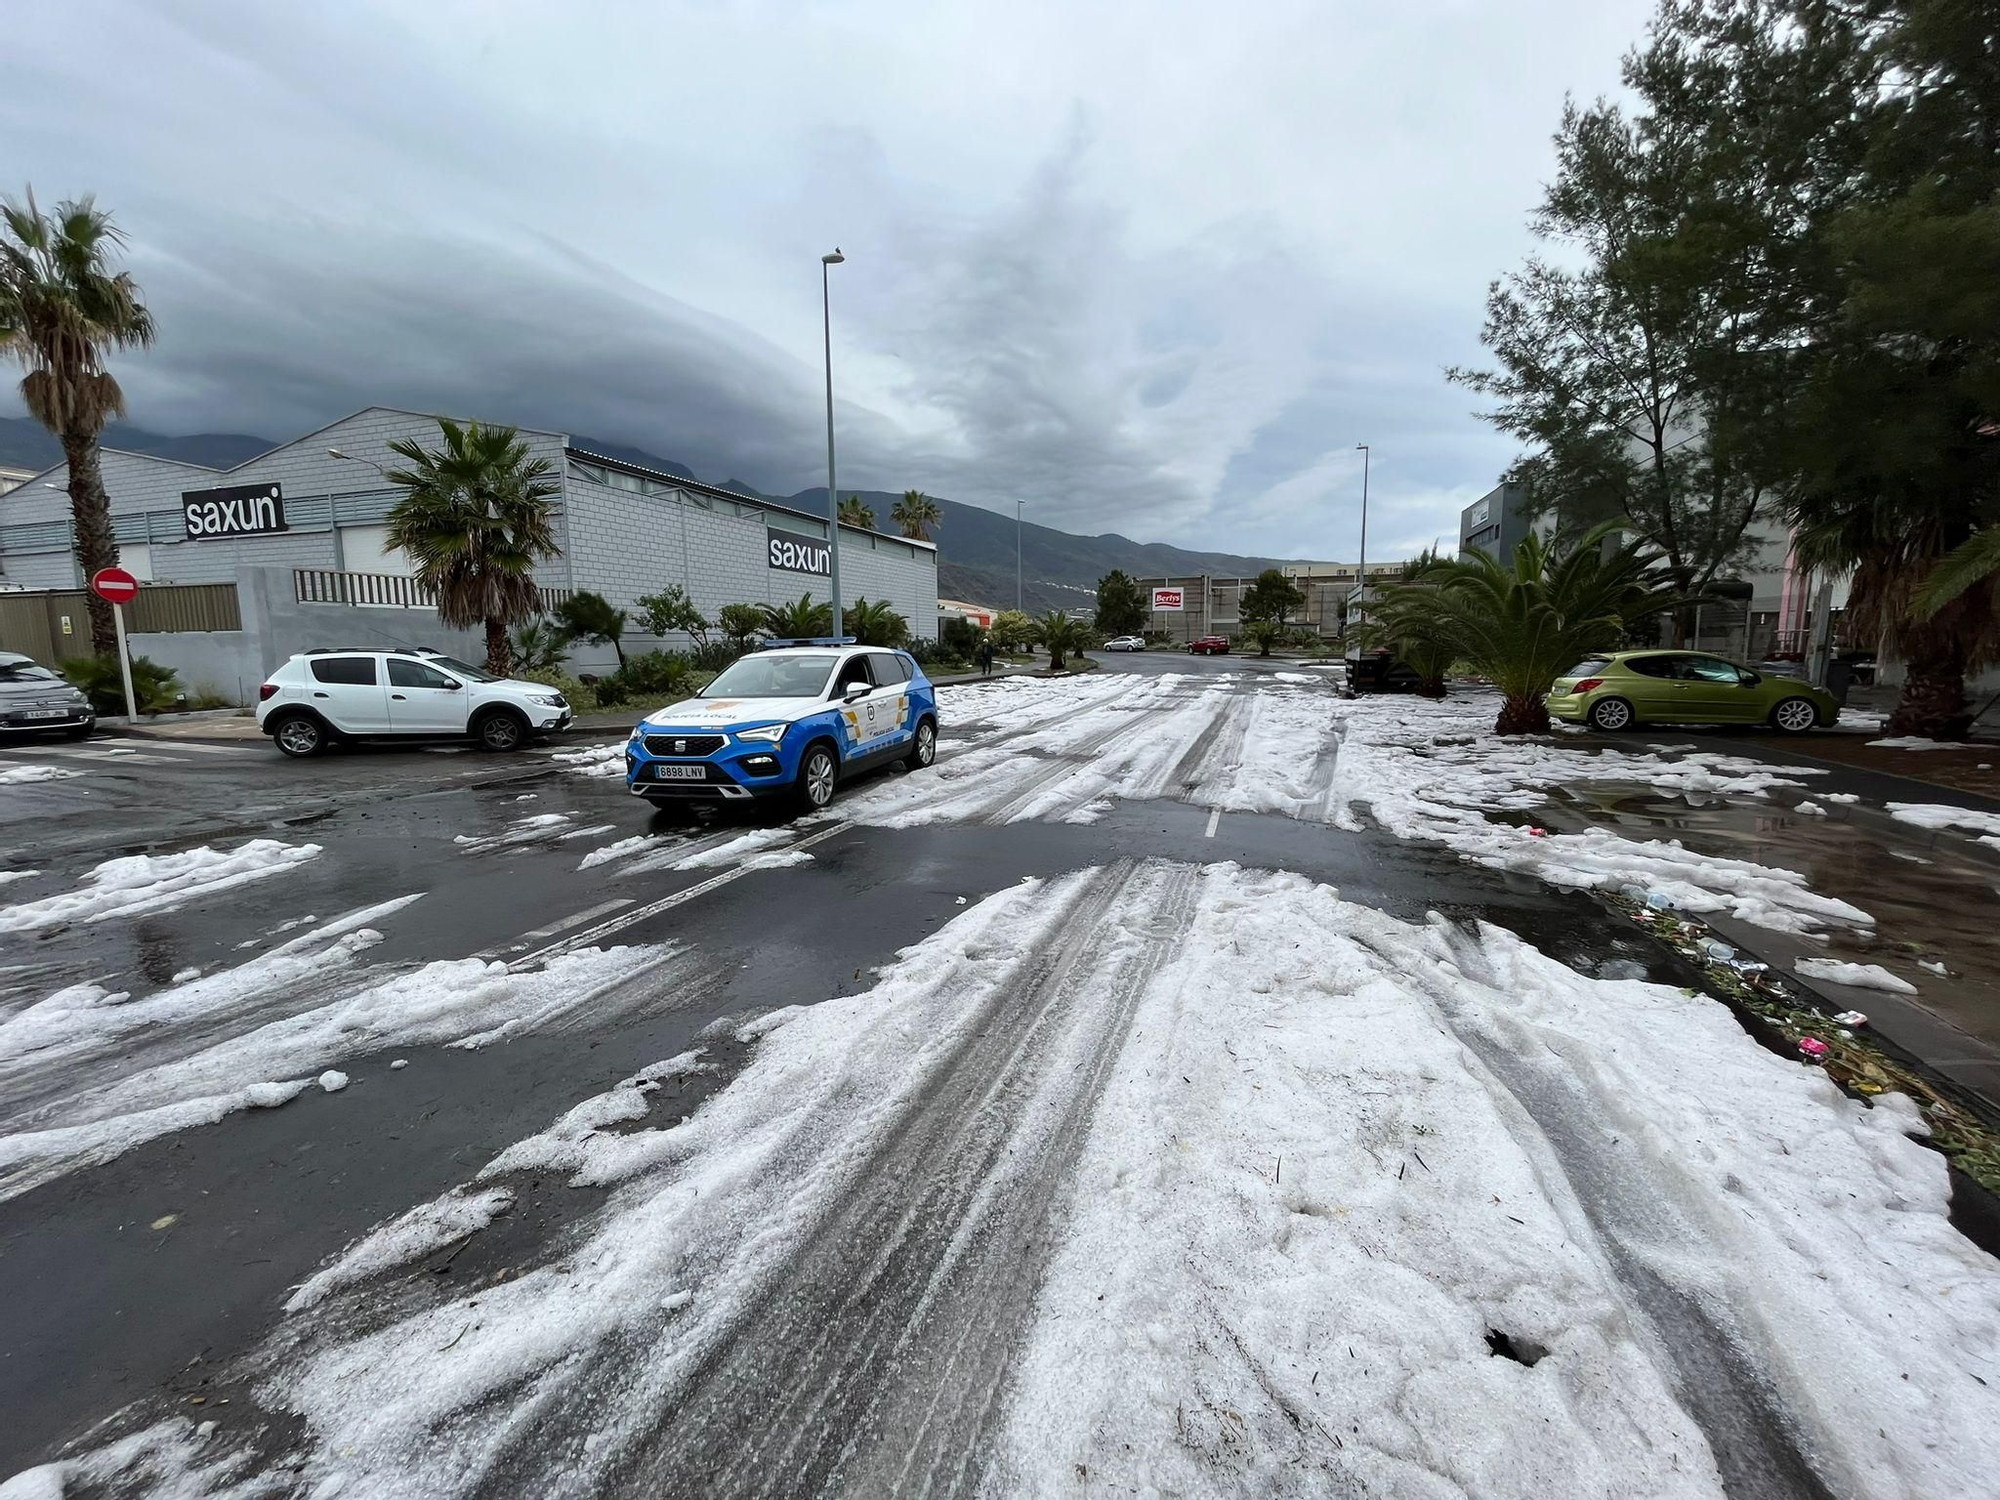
(1210, 645)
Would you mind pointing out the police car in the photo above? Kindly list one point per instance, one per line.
(786, 721)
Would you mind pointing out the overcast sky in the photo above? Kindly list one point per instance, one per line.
(1155, 269)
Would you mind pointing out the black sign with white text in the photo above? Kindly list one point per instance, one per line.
(798, 554)
(233, 510)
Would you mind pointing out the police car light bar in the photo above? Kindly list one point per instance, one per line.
(815, 640)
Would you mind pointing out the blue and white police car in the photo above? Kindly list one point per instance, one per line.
(786, 721)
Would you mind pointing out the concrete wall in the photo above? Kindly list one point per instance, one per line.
(622, 538)
(276, 625)
(626, 543)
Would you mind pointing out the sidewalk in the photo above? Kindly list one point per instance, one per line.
(1930, 891)
(235, 726)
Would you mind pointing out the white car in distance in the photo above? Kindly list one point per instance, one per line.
(325, 695)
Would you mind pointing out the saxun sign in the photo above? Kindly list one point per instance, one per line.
(798, 554)
(234, 510)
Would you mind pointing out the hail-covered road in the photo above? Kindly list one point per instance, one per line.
(1196, 1083)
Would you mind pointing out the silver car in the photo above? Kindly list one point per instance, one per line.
(34, 698)
(1125, 643)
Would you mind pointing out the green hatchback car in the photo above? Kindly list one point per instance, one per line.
(1626, 688)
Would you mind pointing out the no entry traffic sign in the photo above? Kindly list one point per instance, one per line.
(121, 588)
(115, 584)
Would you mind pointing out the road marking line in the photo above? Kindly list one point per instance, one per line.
(577, 919)
(248, 747)
(667, 903)
(1214, 817)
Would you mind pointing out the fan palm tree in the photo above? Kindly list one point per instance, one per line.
(915, 514)
(475, 518)
(61, 308)
(1061, 635)
(799, 620)
(875, 624)
(1525, 622)
(1962, 570)
(854, 511)
(1894, 546)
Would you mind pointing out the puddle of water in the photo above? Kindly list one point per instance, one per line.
(1939, 911)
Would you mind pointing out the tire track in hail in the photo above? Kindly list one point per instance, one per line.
(876, 1359)
(1639, 1230)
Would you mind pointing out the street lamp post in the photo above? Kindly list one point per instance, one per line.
(832, 490)
(1361, 572)
(333, 507)
(1017, 554)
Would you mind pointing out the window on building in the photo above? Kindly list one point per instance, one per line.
(354, 671)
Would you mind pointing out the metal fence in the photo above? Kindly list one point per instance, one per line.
(53, 625)
(381, 590)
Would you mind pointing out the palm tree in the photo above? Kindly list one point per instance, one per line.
(854, 511)
(875, 624)
(539, 646)
(1963, 569)
(1526, 622)
(475, 518)
(915, 514)
(1949, 630)
(61, 308)
(1401, 622)
(800, 620)
(1265, 633)
(1061, 635)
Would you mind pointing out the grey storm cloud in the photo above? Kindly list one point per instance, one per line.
(1149, 272)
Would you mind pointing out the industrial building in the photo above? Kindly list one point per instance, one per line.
(292, 550)
(1188, 606)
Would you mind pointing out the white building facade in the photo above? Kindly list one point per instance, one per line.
(623, 530)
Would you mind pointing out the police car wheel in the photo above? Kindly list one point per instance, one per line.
(817, 775)
(924, 749)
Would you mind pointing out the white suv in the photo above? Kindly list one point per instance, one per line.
(321, 696)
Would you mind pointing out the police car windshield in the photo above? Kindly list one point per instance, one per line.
(772, 677)
(453, 664)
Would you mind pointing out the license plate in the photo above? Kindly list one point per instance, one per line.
(680, 773)
(46, 713)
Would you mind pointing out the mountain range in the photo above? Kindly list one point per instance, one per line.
(976, 547)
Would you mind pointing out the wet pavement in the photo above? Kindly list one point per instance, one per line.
(142, 1278)
(1932, 895)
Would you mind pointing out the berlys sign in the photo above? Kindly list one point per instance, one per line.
(1168, 598)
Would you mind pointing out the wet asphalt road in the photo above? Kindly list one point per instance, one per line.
(106, 1310)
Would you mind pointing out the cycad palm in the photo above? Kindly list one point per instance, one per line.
(61, 308)
(915, 514)
(1525, 622)
(475, 518)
